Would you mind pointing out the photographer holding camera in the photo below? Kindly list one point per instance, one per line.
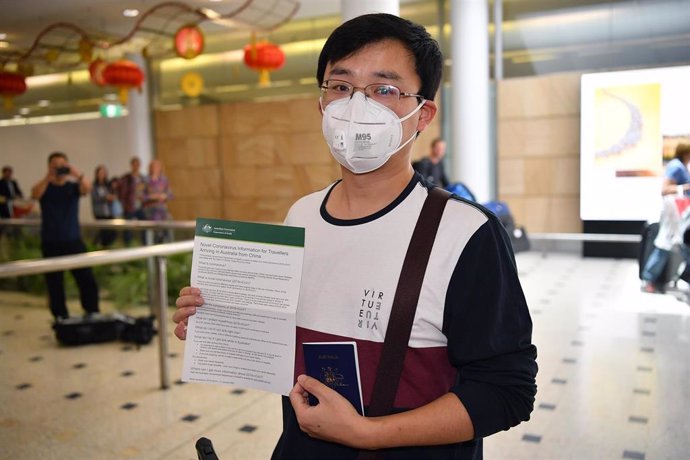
(59, 192)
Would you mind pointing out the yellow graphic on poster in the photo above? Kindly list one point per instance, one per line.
(627, 132)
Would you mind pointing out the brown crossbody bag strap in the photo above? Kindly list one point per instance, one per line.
(404, 307)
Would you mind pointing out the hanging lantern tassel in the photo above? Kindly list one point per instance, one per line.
(124, 75)
(11, 85)
(85, 50)
(263, 57)
(264, 78)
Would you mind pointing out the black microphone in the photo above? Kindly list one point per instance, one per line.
(204, 449)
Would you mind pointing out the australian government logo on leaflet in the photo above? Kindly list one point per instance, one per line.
(216, 230)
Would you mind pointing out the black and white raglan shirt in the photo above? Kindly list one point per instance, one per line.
(471, 333)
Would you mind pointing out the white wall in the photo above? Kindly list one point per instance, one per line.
(87, 143)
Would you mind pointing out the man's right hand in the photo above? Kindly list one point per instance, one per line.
(189, 299)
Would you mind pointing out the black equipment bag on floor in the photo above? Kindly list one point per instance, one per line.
(99, 328)
(138, 330)
(92, 328)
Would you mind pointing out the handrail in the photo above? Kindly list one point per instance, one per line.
(90, 259)
(589, 237)
(110, 256)
(190, 224)
(147, 227)
(122, 224)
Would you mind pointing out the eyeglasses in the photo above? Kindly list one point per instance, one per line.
(388, 95)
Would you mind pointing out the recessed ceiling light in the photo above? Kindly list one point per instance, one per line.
(130, 12)
(24, 111)
(215, 1)
(43, 103)
(3, 35)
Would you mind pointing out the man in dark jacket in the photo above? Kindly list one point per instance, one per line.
(59, 192)
(9, 190)
(431, 167)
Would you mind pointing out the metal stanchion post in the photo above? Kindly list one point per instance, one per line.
(162, 287)
(152, 273)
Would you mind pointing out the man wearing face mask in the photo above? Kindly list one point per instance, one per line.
(469, 369)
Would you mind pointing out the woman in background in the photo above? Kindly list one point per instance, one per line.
(156, 195)
(102, 198)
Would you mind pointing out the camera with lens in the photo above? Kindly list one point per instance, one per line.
(63, 170)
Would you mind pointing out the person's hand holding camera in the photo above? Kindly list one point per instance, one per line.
(63, 170)
(67, 170)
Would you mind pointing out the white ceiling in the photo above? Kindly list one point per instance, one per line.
(23, 20)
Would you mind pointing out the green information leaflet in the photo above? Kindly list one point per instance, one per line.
(244, 334)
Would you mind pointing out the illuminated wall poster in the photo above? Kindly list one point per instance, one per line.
(631, 122)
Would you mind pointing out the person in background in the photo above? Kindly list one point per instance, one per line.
(59, 192)
(156, 195)
(102, 198)
(9, 191)
(131, 194)
(470, 364)
(431, 167)
(676, 182)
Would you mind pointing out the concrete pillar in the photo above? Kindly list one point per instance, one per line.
(498, 40)
(139, 125)
(471, 152)
(352, 8)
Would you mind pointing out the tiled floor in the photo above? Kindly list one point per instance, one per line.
(614, 382)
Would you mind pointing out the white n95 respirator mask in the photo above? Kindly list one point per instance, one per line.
(361, 133)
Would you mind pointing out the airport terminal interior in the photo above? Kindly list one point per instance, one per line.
(586, 105)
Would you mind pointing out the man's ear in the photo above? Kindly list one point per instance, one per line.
(318, 103)
(427, 114)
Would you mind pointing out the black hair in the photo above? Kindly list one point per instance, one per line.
(95, 175)
(6, 168)
(355, 34)
(57, 155)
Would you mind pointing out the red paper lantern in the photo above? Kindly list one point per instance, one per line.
(11, 85)
(96, 69)
(124, 75)
(189, 42)
(264, 57)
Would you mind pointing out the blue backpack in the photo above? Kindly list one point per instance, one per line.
(461, 190)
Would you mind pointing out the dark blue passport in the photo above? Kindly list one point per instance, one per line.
(335, 365)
